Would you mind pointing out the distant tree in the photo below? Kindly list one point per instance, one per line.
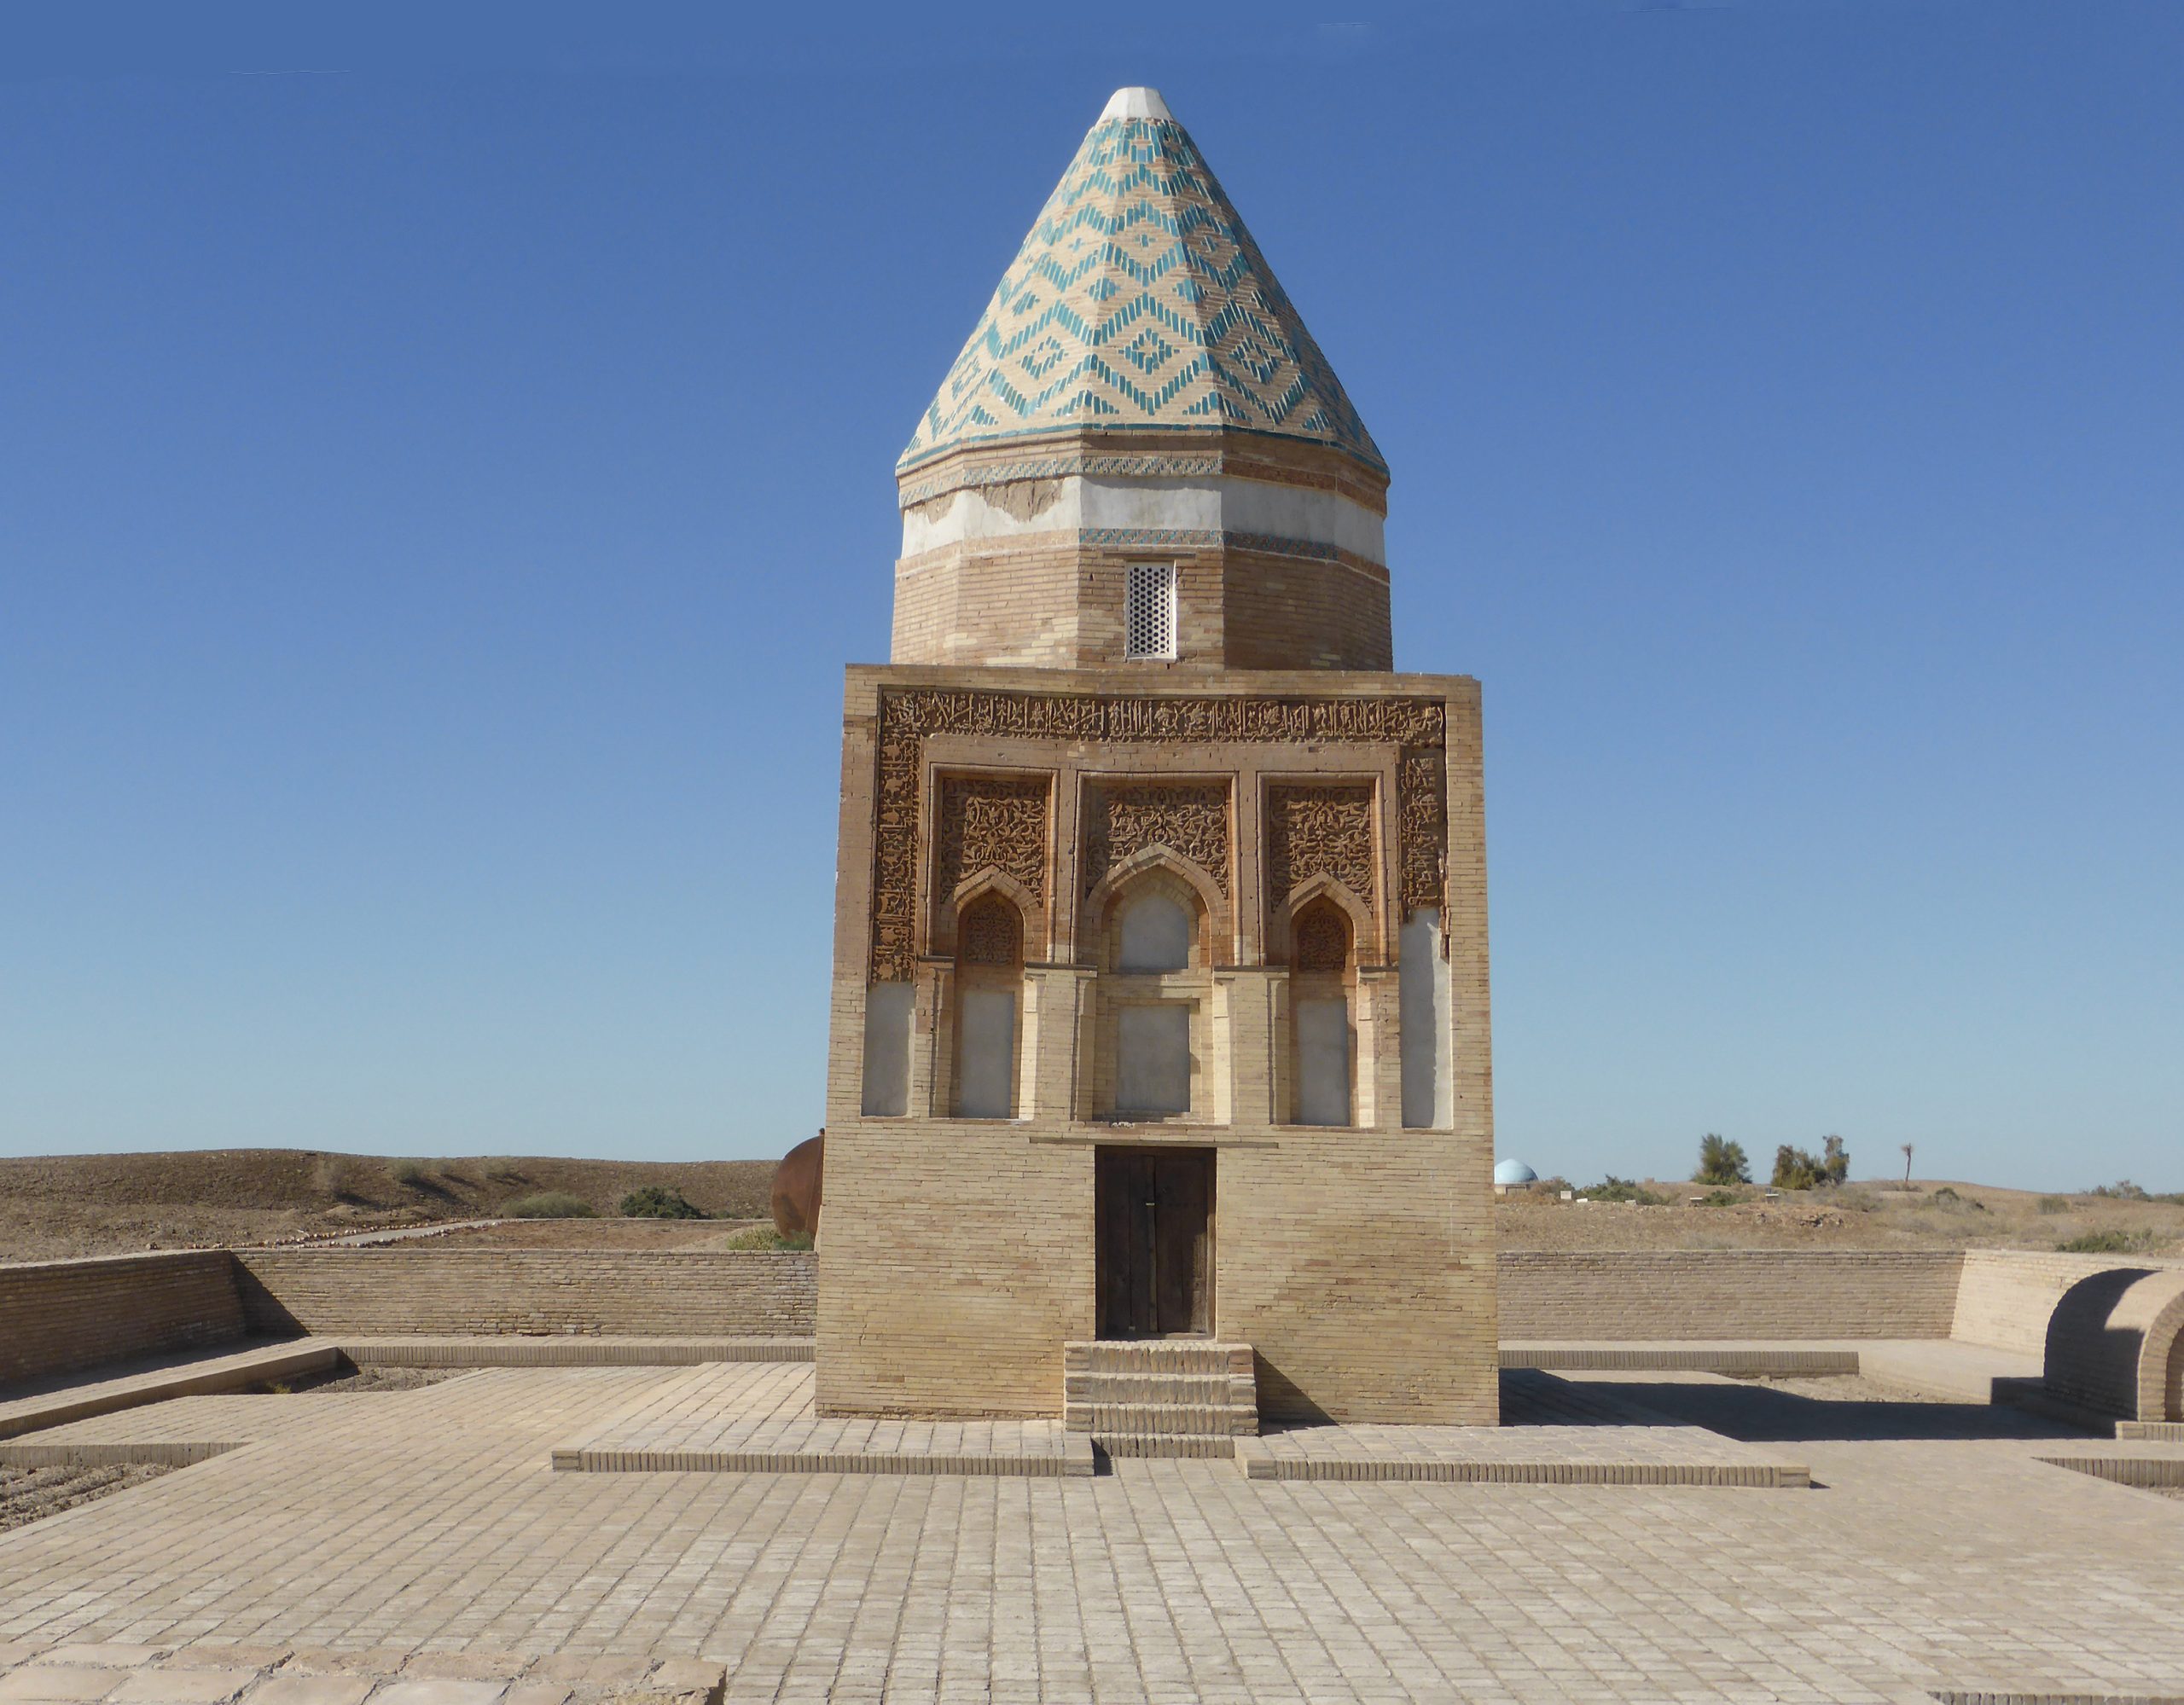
(1796, 1168)
(1721, 1162)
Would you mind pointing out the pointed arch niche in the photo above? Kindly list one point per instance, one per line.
(1151, 925)
(1319, 930)
(988, 996)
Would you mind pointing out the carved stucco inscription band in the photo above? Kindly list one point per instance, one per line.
(1417, 727)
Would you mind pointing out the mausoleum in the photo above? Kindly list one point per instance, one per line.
(1160, 1001)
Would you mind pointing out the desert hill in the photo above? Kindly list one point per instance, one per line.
(59, 1206)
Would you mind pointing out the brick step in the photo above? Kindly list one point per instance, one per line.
(1223, 1420)
(2167, 1432)
(1160, 1388)
(1156, 1355)
(1173, 1445)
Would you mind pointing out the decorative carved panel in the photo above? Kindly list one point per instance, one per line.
(1422, 838)
(989, 820)
(990, 932)
(1124, 818)
(1416, 726)
(1321, 831)
(1319, 940)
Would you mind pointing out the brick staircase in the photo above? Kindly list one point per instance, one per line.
(1160, 1397)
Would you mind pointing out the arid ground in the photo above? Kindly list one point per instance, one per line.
(56, 1208)
(60, 1207)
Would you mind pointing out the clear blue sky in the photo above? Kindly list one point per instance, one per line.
(440, 485)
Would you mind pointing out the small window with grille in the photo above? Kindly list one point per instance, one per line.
(1149, 610)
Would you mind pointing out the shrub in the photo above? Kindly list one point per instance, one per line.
(654, 1201)
(766, 1238)
(2110, 1242)
(1623, 1190)
(2054, 1204)
(1721, 1162)
(2122, 1190)
(410, 1175)
(1720, 1199)
(335, 1175)
(1859, 1201)
(550, 1204)
(1947, 1197)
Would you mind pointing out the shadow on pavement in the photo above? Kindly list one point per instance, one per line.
(1763, 1414)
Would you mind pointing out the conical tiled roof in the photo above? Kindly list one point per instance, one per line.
(1139, 302)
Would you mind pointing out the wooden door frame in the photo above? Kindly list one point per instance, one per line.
(1107, 1160)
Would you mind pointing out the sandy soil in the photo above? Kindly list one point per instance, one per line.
(60, 1207)
(349, 1379)
(31, 1494)
(55, 1208)
(1857, 1217)
(599, 1234)
(1844, 1387)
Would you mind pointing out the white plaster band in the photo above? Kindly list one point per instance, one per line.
(1084, 504)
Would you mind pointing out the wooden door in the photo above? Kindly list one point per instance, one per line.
(1153, 1252)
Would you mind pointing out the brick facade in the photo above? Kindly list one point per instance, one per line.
(957, 1255)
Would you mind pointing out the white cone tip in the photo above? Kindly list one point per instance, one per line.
(1136, 103)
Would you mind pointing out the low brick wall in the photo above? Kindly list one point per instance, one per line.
(2008, 1295)
(1727, 1294)
(683, 1293)
(58, 1316)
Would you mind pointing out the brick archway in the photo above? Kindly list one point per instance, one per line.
(2161, 1362)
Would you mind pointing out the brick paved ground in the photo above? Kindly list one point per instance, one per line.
(757, 1416)
(1940, 1554)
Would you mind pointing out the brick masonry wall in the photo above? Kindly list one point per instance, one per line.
(2008, 1295)
(1359, 1265)
(1281, 613)
(712, 1293)
(955, 1260)
(1354, 1262)
(56, 1316)
(1053, 602)
(2109, 1341)
(1728, 1294)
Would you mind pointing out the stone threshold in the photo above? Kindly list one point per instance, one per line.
(2060, 1696)
(2140, 1470)
(227, 1369)
(567, 1350)
(1260, 1459)
(117, 1452)
(211, 1672)
(1071, 1457)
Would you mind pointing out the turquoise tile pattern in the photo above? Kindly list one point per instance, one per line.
(1139, 302)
